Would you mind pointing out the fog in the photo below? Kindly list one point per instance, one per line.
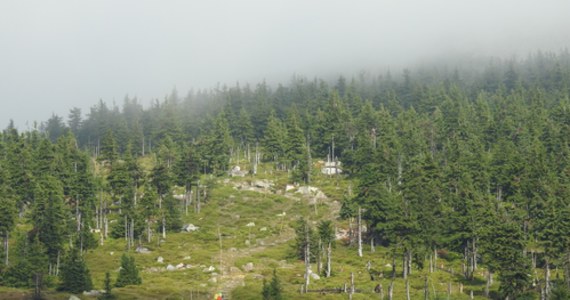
(55, 55)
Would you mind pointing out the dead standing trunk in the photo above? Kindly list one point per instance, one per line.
(359, 232)
(329, 254)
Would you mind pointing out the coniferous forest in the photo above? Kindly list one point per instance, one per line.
(453, 175)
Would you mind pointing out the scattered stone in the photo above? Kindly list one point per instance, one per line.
(214, 274)
(178, 197)
(282, 214)
(73, 297)
(202, 285)
(190, 228)
(289, 187)
(186, 257)
(232, 249)
(92, 293)
(263, 184)
(179, 266)
(142, 250)
(111, 253)
(209, 269)
(388, 265)
(250, 224)
(213, 280)
(332, 168)
(307, 190)
(160, 260)
(247, 243)
(237, 172)
(248, 267)
(263, 229)
(170, 268)
(315, 276)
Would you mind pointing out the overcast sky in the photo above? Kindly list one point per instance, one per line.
(55, 55)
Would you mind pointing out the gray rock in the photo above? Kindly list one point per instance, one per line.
(180, 266)
(73, 297)
(190, 228)
(142, 250)
(92, 293)
(209, 269)
(248, 267)
(160, 259)
(262, 184)
(315, 276)
(170, 268)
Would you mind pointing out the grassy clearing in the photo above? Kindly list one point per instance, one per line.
(254, 230)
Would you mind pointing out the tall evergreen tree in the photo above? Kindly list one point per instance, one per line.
(75, 275)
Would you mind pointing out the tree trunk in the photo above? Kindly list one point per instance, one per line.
(329, 253)
(148, 232)
(391, 290)
(405, 265)
(307, 262)
(426, 289)
(320, 257)
(408, 289)
(409, 262)
(359, 232)
(546, 278)
(352, 289)
(372, 249)
(488, 284)
(163, 227)
(474, 246)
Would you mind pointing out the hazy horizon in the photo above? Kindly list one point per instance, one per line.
(55, 56)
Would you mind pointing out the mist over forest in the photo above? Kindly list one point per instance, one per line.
(285, 150)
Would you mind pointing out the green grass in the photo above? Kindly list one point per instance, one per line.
(227, 211)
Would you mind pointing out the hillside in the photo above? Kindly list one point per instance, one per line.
(460, 182)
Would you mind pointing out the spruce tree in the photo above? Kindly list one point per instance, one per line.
(75, 275)
(129, 274)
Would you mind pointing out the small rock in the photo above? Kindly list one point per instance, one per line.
(214, 274)
(247, 243)
(186, 257)
(248, 267)
(73, 297)
(263, 229)
(190, 228)
(111, 253)
(91, 293)
(289, 187)
(180, 266)
(315, 276)
(160, 260)
(282, 214)
(232, 249)
(209, 269)
(170, 267)
(142, 250)
(250, 224)
(213, 280)
(388, 265)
